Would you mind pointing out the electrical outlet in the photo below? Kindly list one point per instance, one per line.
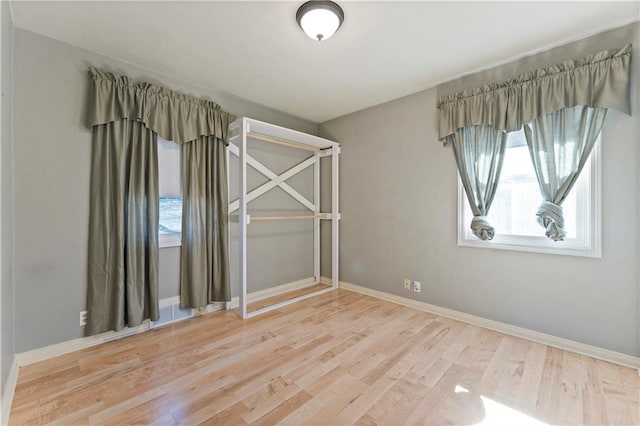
(416, 286)
(407, 284)
(83, 317)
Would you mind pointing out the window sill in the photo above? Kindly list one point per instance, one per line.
(169, 240)
(536, 245)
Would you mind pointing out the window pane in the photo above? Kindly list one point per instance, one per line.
(170, 188)
(170, 215)
(517, 199)
(169, 168)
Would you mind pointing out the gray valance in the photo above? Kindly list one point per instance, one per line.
(600, 80)
(174, 116)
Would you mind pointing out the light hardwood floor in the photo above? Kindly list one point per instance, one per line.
(339, 358)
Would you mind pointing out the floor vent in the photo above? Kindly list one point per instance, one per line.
(170, 313)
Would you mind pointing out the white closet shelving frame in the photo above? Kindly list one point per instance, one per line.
(245, 128)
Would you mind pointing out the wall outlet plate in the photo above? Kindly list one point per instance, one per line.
(83, 317)
(407, 284)
(416, 286)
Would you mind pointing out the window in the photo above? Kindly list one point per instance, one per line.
(513, 212)
(170, 188)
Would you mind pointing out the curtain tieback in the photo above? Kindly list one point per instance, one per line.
(482, 228)
(550, 216)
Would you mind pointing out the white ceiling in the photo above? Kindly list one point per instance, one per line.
(256, 51)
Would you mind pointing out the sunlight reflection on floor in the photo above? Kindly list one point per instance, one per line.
(500, 414)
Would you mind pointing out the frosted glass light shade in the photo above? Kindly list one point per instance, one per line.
(320, 19)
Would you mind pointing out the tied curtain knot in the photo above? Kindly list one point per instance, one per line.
(550, 217)
(482, 228)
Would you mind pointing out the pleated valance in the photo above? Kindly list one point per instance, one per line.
(599, 80)
(174, 116)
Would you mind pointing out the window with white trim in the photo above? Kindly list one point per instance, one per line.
(513, 212)
(170, 189)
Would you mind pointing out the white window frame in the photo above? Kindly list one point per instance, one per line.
(591, 246)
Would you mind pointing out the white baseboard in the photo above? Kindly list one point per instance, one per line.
(535, 336)
(9, 390)
(51, 351)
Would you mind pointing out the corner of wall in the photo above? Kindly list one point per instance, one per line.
(635, 109)
(7, 332)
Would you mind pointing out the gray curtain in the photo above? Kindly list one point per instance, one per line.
(600, 80)
(204, 270)
(560, 144)
(479, 153)
(126, 117)
(123, 227)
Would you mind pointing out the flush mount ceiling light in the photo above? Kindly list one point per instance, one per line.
(320, 19)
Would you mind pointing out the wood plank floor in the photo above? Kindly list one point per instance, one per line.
(339, 358)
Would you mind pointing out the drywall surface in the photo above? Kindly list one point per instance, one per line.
(6, 155)
(637, 61)
(399, 219)
(52, 159)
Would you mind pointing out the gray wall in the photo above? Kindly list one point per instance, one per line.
(6, 156)
(399, 209)
(52, 156)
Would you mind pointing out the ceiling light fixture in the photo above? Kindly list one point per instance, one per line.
(320, 19)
